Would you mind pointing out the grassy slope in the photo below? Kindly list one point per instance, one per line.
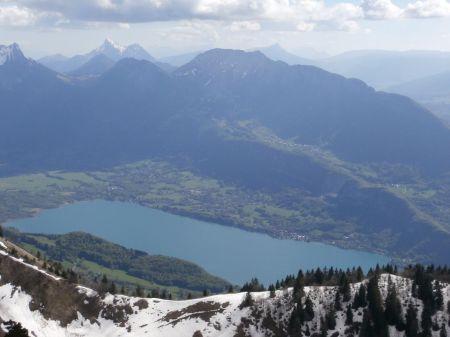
(93, 257)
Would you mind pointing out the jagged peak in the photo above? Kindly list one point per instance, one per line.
(11, 53)
(110, 44)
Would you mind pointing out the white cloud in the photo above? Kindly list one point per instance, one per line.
(244, 25)
(15, 16)
(192, 31)
(428, 9)
(251, 15)
(381, 9)
(305, 26)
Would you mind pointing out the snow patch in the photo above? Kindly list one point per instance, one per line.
(3, 246)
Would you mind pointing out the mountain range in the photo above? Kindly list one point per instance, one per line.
(371, 162)
(431, 91)
(108, 50)
(381, 69)
(398, 67)
(278, 53)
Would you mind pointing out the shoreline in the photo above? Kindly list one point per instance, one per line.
(278, 235)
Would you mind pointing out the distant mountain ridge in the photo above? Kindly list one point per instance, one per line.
(179, 60)
(109, 48)
(117, 52)
(247, 121)
(274, 52)
(277, 53)
(384, 69)
(238, 85)
(427, 88)
(96, 66)
(260, 86)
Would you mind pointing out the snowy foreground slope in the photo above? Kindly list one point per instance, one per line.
(51, 306)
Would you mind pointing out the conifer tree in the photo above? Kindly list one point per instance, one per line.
(376, 307)
(318, 276)
(323, 327)
(426, 322)
(360, 298)
(272, 291)
(139, 292)
(295, 324)
(112, 288)
(349, 316)
(330, 319)
(359, 274)
(309, 309)
(164, 294)
(337, 302)
(438, 296)
(344, 288)
(103, 284)
(393, 308)
(366, 329)
(412, 324)
(443, 331)
(298, 291)
(247, 301)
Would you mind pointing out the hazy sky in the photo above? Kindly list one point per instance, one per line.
(165, 27)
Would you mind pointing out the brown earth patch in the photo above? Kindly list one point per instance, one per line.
(56, 300)
(117, 313)
(202, 310)
(141, 304)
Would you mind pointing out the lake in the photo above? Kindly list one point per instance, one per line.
(231, 253)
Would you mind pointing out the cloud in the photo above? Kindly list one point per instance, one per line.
(250, 15)
(305, 26)
(16, 17)
(191, 32)
(244, 25)
(428, 9)
(381, 10)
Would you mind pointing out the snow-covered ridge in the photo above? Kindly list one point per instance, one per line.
(115, 51)
(220, 315)
(110, 44)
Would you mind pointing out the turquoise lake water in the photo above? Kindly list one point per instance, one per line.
(231, 253)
